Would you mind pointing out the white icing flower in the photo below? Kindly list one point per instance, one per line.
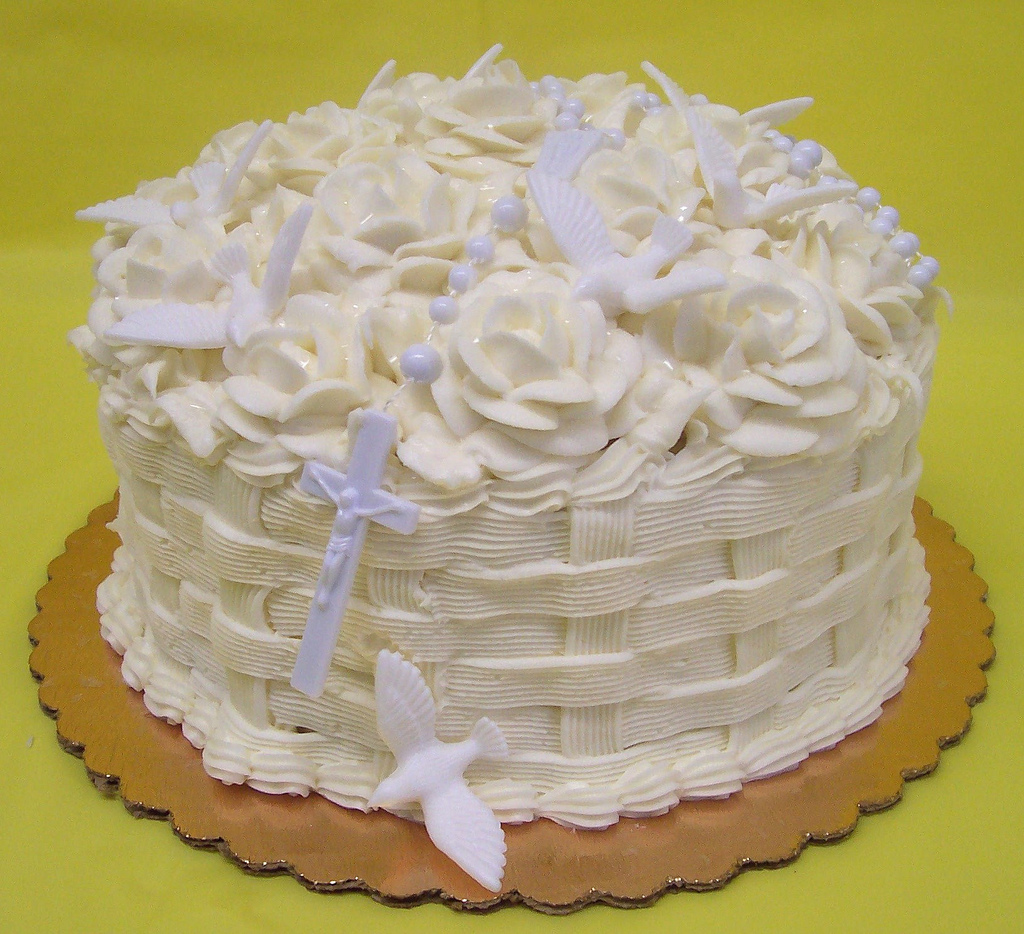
(296, 382)
(301, 151)
(539, 365)
(472, 126)
(785, 376)
(391, 211)
(161, 392)
(867, 278)
(633, 188)
(608, 100)
(192, 410)
(160, 262)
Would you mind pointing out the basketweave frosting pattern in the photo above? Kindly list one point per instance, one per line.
(716, 624)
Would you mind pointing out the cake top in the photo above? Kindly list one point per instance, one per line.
(589, 276)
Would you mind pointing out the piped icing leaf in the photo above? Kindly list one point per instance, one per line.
(765, 435)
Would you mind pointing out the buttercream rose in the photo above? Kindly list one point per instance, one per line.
(299, 152)
(294, 383)
(471, 126)
(160, 262)
(391, 210)
(539, 365)
(785, 375)
(869, 279)
(500, 101)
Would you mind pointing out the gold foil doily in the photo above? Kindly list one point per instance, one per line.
(697, 845)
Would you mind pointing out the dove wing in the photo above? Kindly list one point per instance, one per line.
(383, 79)
(782, 200)
(778, 113)
(463, 828)
(229, 187)
(483, 62)
(714, 154)
(230, 261)
(277, 280)
(405, 708)
(573, 219)
(171, 324)
(675, 94)
(563, 152)
(207, 179)
(131, 210)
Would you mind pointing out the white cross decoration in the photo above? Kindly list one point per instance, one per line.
(359, 498)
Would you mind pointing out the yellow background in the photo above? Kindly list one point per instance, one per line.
(921, 100)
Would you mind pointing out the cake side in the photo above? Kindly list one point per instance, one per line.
(753, 617)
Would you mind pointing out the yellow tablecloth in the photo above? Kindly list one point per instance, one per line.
(923, 101)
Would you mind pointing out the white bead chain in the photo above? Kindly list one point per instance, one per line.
(806, 155)
(420, 362)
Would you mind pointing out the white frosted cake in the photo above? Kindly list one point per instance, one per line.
(655, 374)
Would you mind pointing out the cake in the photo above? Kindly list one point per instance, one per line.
(654, 373)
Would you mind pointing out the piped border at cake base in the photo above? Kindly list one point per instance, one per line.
(697, 845)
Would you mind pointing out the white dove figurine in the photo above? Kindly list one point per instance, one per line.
(430, 772)
(734, 206)
(215, 187)
(177, 324)
(616, 282)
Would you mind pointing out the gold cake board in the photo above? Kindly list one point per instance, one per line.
(697, 845)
